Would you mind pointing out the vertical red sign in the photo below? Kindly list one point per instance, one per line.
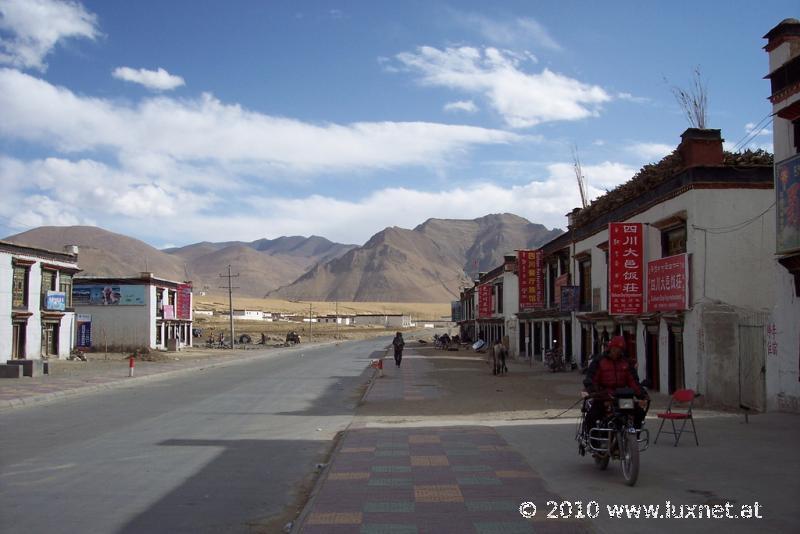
(485, 300)
(184, 301)
(668, 284)
(626, 268)
(531, 279)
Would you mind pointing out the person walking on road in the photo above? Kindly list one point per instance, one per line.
(398, 345)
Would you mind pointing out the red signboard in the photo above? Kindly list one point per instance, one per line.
(184, 306)
(530, 274)
(668, 284)
(485, 300)
(626, 268)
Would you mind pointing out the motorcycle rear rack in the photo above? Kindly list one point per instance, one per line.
(602, 436)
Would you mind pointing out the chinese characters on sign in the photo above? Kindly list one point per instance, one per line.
(626, 269)
(668, 284)
(531, 279)
(485, 300)
(184, 296)
(772, 340)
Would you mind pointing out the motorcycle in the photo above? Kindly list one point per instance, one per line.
(615, 436)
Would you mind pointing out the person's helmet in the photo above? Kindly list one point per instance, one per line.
(617, 341)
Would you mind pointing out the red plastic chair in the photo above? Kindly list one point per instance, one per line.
(684, 399)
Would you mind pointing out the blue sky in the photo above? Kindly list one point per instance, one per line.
(182, 121)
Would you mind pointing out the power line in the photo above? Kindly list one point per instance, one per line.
(734, 227)
(754, 132)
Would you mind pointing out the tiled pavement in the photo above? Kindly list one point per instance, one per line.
(399, 480)
(430, 480)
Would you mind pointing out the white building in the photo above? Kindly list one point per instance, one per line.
(345, 320)
(37, 319)
(387, 320)
(128, 313)
(249, 315)
(783, 340)
(711, 215)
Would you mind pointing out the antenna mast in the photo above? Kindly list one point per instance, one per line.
(576, 164)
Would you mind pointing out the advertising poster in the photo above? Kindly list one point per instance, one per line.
(531, 279)
(570, 298)
(485, 300)
(560, 283)
(108, 295)
(626, 268)
(787, 202)
(84, 337)
(169, 311)
(455, 311)
(668, 284)
(56, 301)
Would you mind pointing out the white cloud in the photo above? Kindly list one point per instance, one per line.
(751, 127)
(58, 191)
(522, 99)
(35, 27)
(206, 129)
(630, 98)
(510, 31)
(651, 151)
(157, 80)
(467, 106)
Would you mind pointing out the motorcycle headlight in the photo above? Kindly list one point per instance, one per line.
(625, 404)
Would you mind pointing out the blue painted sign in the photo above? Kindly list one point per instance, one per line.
(56, 301)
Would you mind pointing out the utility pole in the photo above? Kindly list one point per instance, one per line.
(337, 320)
(230, 289)
(310, 324)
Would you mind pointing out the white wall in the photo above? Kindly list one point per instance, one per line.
(33, 331)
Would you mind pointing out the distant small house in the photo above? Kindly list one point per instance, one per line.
(387, 320)
(248, 315)
(204, 313)
(336, 319)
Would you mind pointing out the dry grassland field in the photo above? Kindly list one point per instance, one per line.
(277, 330)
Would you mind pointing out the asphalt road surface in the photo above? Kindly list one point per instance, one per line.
(220, 450)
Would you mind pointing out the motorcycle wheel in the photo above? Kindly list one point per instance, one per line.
(629, 456)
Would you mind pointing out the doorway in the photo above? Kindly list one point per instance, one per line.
(49, 339)
(18, 341)
(752, 369)
(651, 355)
(676, 372)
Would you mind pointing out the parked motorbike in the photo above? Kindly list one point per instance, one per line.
(615, 436)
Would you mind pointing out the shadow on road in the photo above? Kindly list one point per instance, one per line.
(244, 489)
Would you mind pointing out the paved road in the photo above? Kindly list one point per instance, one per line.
(220, 450)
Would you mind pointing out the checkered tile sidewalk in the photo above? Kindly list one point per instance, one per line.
(429, 480)
(410, 382)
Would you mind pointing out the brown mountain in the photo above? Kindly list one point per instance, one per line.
(263, 265)
(104, 253)
(426, 264)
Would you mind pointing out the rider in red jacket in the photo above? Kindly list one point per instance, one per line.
(609, 372)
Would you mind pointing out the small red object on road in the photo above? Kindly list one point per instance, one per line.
(131, 364)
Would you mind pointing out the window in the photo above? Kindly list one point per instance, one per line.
(48, 283)
(20, 287)
(65, 286)
(499, 300)
(552, 274)
(585, 281)
(673, 241)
